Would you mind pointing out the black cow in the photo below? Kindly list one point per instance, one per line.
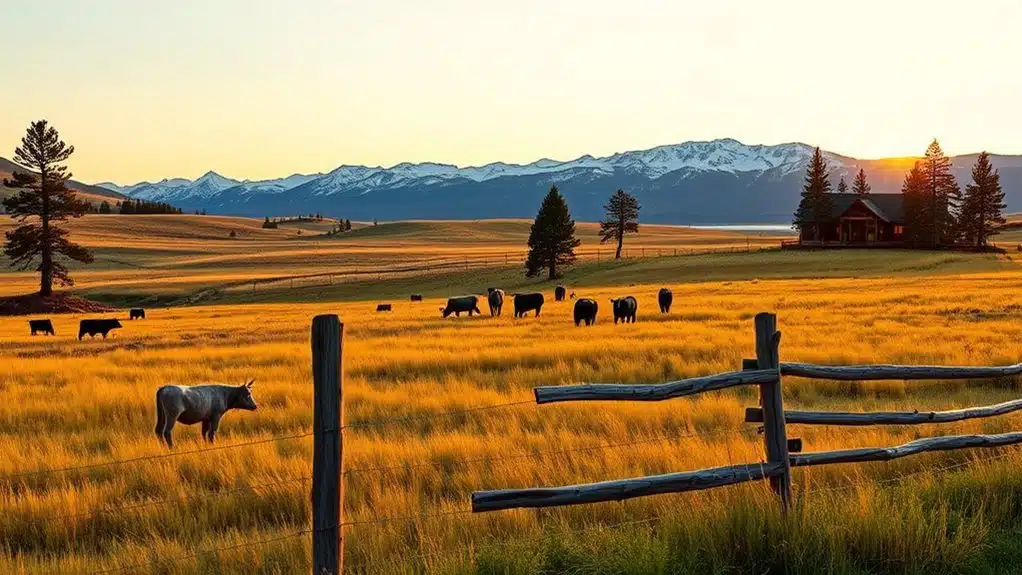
(585, 311)
(41, 325)
(136, 313)
(559, 293)
(665, 297)
(416, 297)
(94, 327)
(625, 309)
(456, 305)
(383, 307)
(495, 298)
(526, 302)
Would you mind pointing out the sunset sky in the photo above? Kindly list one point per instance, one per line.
(265, 88)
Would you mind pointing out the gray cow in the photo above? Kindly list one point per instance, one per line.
(201, 403)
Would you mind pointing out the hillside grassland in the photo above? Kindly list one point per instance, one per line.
(170, 257)
(414, 464)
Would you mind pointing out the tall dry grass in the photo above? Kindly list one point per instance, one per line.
(65, 403)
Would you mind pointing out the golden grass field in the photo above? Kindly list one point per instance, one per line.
(65, 403)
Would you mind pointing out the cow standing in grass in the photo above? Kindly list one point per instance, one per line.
(204, 404)
(495, 297)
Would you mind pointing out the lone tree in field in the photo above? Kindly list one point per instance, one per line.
(943, 194)
(860, 186)
(816, 206)
(842, 187)
(622, 218)
(552, 240)
(43, 200)
(983, 203)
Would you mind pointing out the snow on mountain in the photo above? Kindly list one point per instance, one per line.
(725, 155)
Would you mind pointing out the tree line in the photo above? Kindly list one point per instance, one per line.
(937, 212)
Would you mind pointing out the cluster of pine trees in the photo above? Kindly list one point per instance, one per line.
(937, 212)
(137, 207)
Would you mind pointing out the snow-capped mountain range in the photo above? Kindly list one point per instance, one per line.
(719, 181)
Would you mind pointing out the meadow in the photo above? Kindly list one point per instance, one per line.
(413, 455)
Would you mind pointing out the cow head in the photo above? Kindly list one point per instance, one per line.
(243, 397)
(445, 311)
(116, 323)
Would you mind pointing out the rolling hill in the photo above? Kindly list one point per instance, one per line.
(94, 194)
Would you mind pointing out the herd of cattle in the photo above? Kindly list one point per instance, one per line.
(89, 327)
(586, 309)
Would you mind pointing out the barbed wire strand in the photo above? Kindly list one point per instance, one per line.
(534, 455)
(382, 422)
(153, 457)
(146, 567)
(169, 500)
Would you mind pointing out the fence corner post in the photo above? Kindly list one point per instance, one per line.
(775, 435)
(328, 448)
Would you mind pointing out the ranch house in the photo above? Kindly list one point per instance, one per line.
(862, 221)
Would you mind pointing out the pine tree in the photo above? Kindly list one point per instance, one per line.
(943, 194)
(860, 186)
(622, 218)
(128, 207)
(816, 207)
(918, 222)
(842, 187)
(43, 195)
(983, 205)
(552, 239)
(104, 208)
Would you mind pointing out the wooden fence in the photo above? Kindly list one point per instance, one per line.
(765, 371)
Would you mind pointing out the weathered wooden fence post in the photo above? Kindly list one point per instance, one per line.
(775, 436)
(328, 448)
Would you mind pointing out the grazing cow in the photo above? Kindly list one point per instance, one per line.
(94, 327)
(41, 325)
(526, 302)
(559, 292)
(383, 307)
(416, 297)
(201, 403)
(625, 309)
(456, 305)
(495, 298)
(136, 313)
(585, 311)
(665, 297)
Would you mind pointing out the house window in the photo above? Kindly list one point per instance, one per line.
(898, 230)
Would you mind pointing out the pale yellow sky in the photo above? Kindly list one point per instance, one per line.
(265, 88)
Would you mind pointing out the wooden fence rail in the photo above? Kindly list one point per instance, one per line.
(766, 371)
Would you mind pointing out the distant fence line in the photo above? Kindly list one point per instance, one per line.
(448, 264)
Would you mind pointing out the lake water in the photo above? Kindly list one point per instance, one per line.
(749, 228)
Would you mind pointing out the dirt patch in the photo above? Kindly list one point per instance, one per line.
(56, 303)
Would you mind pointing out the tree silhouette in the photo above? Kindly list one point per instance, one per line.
(943, 194)
(842, 187)
(44, 197)
(983, 203)
(816, 206)
(552, 239)
(622, 218)
(918, 223)
(860, 186)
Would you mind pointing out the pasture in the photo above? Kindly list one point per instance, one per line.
(414, 455)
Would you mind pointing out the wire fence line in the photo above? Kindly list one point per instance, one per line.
(381, 422)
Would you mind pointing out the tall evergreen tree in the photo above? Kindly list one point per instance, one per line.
(622, 218)
(943, 194)
(104, 208)
(918, 222)
(816, 207)
(983, 205)
(860, 186)
(842, 187)
(44, 197)
(552, 239)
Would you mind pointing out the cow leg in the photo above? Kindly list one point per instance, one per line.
(214, 425)
(161, 419)
(168, 428)
(205, 431)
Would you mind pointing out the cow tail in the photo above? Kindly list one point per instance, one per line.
(161, 418)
